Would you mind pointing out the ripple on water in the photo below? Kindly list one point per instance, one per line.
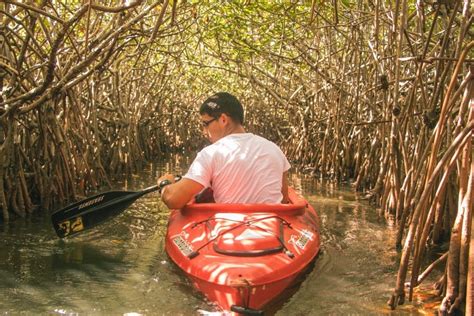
(121, 268)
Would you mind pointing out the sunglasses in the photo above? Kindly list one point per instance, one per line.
(206, 123)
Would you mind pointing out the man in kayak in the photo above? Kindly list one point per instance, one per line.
(239, 167)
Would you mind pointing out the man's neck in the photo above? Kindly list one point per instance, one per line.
(235, 129)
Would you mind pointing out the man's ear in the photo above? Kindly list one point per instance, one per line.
(225, 118)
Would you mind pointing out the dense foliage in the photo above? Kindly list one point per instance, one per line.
(378, 92)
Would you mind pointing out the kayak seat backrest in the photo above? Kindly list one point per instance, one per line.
(296, 206)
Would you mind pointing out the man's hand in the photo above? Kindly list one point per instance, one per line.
(168, 177)
(165, 180)
(178, 194)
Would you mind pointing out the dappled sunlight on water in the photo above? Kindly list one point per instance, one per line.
(356, 269)
(120, 267)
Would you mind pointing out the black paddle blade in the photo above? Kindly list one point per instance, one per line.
(94, 210)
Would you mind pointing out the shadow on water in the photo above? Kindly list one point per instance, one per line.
(121, 266)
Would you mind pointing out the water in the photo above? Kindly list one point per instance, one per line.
(121, 268)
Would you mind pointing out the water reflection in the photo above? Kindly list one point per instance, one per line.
(85, 257)
(356, 268)
(121, 267)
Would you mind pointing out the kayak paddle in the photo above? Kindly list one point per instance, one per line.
(94, 210)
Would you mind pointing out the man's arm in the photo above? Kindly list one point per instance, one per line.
(178, 194)
(284, 188)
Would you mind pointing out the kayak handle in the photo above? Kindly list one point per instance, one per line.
(245, 310)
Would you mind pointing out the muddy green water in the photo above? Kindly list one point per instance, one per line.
(121, 267)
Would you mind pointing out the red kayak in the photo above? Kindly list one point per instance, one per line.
(243, 256)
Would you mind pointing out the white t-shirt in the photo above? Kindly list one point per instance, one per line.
(241, 168)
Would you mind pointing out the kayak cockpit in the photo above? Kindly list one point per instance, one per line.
(242, 256)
